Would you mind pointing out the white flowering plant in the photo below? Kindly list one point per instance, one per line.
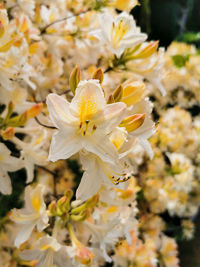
(75, 124)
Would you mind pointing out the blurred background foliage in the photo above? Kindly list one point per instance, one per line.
(168, 20)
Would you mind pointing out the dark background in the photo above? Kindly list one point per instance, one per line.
(168, 20)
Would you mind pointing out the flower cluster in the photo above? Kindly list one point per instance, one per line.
(75, 122)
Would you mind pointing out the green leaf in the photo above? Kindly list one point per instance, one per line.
(180, 60)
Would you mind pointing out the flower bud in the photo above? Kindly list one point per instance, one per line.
(133, 93)
(110, 99)
(75, 78)
(2, 29)
(133, 122)
(117, 95)
(8, 133)
(34, 111)
(53, 208)
(98, 75)
(84, 255)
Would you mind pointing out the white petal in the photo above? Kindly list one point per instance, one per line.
(111, 117)
(29, 255)
(89, 99)
(59, 112)
(64, 144)
(100, 145)
(89, 185)
(5, 183)
(24, 234)
(147, 147)
(29, 166)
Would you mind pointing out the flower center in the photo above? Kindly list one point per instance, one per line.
(118, 32)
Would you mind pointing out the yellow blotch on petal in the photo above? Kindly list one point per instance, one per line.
(118, 32)
(87, 108)
(36, 202)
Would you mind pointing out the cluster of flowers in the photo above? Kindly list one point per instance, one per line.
(182, 70)
(74, 80)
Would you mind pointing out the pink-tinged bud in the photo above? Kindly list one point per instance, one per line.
(98, 75)
(34, 110)
(75, 78)
(84, 255)
(8, 133)
(133, 122)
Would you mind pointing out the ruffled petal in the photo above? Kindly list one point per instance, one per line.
(59, 112)
(64, 144)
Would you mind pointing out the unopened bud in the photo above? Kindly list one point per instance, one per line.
(8, 133)
(133, 93)
(69, 194)
(117, 95)
(22, 119)
(34, 110)
(84, 255)
(9, 112)
(147, 51)
(81, 216)
(133, 122)
(2, 29)
(75, 78)
(98, 75)
(53, 208)
(63, 204)
(110, 99)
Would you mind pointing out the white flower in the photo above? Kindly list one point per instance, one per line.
(96, 173)
(84, 123)
(34, 214)
(7, 164)
(147, 129)
(119, 33)
(48, 252)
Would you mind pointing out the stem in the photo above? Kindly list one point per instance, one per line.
(43, 30)
(44, 125)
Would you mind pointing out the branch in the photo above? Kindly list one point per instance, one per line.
(44, 125)
(43, 30)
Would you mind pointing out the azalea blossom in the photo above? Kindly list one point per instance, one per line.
(47, 251)
(34, 214)
(119, 33)
(84, 123)
(8, 163)
(98, 172)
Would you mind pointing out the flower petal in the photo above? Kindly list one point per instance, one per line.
(100, 145)
(64, 144)
(91, 180)
(111, 117)
(24, 233)
(5, 183)
(59, 112)
(88, 100)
